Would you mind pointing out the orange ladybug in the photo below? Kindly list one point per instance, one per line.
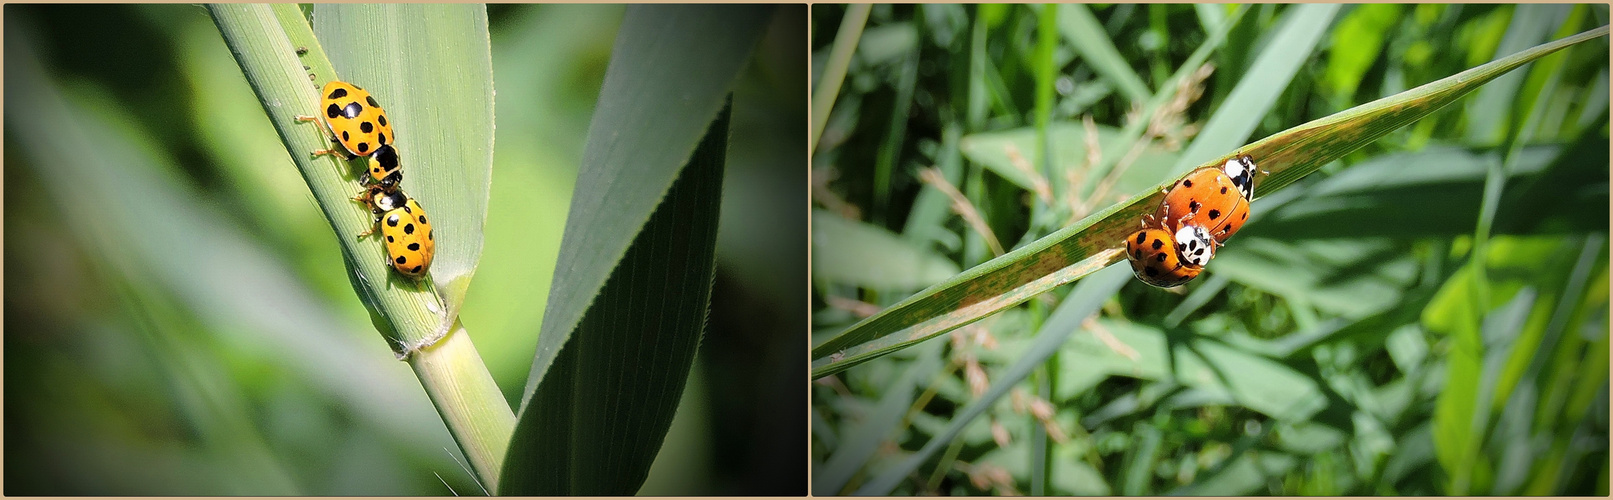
(1163, 259)
(1210, 198)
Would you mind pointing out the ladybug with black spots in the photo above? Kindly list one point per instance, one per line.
(1215, 198)
(354, 118)
(359, 124)
(410, 242)
(1163, 259)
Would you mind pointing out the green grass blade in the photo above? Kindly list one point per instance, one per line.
(863, 440)
(1064, 322)
(845, 44)
(599, 416)
(1273, 69)
(1489, 111)
(1093, 243)
(443, 118)
(1086, 34)
(1296, 152)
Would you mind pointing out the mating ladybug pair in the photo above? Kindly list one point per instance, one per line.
(1200, 212)
(360, 126)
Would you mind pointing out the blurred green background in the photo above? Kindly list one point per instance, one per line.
(178, 320)
(1345, 343)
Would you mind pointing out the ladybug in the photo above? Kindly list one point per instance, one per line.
(1162, 259)
(410, 241)
(354, 118)
(1209, 198)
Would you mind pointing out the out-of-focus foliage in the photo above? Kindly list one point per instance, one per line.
(1348, 342)
(208, 342)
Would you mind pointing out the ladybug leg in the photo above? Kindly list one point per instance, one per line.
(374, 227)
(1183, 219)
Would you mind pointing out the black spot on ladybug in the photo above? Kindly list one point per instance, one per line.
(414, 247)
(1141, 236)
(416, 270)
(431, 234)
(337, 94)
(401, 259)
(1245, 216)
(352, 110)
(1223, 190)
(1231, 228)
(392, 220)
(387, 157)
(1193, 206)
(381, 119)
(408, 229)
(422, 219)
(371, 99)
(1187, 182)
(344, 135)
(382, 140)
(406, 209)
(389, 239)
(1151, 272)
(1214, 213)
(1137, 254)
(1158, 244)
(1160, 256)
(333, 110)
(368, 127)
(363, 147)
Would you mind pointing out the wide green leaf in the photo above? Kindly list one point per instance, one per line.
(669, 72)
(628, 301)
(597, 419)
(1093, 243)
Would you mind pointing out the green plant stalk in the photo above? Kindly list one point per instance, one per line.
(1046, 41)
(890, 152)
(845, 44)
(264, 41)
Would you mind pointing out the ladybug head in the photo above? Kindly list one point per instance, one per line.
(387, 200)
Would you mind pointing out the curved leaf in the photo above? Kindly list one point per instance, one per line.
(597, 419)
(669, 72)
(628, 301)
